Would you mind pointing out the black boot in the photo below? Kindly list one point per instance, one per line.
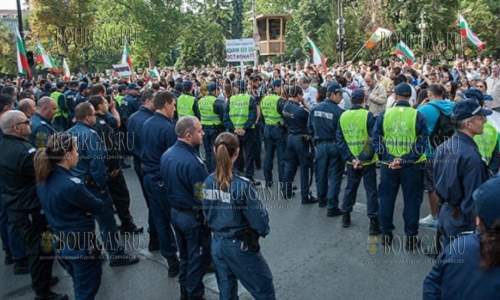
(51, 296)
(131, 228)
(310, 200)
(412, 243)
(333, 212)
(21, 266)
(123, 260)
(346, 220)
(184, 293)
(322, 202)
(173, 266)
(8, 258)
(387, 239)
(153, 245)
(374, 226)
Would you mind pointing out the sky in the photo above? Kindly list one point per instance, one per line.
(10, 4)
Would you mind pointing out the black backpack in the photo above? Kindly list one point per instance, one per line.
(443, 130)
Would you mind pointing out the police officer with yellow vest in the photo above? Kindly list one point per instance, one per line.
(488, 144)
(211, 118)
(61, 121)
(274, 133)
(240, 117)
(187, 105)
(400, 139)
(354, 136)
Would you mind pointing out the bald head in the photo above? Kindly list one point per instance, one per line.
(27, 106)
(47, 107)
(11, 121)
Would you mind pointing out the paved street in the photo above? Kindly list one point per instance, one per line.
(311, 257)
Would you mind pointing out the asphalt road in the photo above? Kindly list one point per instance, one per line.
(311, 257)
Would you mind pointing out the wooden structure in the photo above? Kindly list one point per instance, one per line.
(271, 30)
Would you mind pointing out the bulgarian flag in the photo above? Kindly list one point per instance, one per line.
(67, 74)
(126, 59)
(42, 58)
(466, 32)
(404, 53)
(23, 66)
(377, 36)
(317, 57)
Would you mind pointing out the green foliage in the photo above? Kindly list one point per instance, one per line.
(91, 33)
(201, 43)
(8, 61)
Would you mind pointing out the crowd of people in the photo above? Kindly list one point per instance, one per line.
(196, 138)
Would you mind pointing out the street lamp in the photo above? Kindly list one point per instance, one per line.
(422, 26)
(341, 42)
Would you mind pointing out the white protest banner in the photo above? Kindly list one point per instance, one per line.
(240, 50)
(123, 70)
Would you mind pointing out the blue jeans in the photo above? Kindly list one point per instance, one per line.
(193, 241)
(410, 179)
(84, 269)
(369, 176)
(107, 224)
(160, 213)
(329, 170)
(297, 154)
(211, 134)
(274, 141)
(233, 262)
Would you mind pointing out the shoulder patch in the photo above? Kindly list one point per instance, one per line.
(200, 160)
(75, 180)
(92, 130)
(31, 150)
(102, 122)
(43, 122)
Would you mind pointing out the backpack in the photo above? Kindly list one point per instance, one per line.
(443, 130)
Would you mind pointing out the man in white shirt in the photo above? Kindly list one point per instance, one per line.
(310, 93)
(493, 83)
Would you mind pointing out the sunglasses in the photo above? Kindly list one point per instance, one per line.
(23, 122)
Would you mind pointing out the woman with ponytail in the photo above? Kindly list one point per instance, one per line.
(469, 267)
(70, 209)
(237, 219)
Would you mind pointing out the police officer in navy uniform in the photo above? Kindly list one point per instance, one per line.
(131, 101)
(469, 267)
(354, 138)
(115, 180)
(91, 169)
(459, 170)
(240, 117)
(400, 140)
(184, 173)
(157, 136)
(271, 107)
(322, 125)
(211, 117)
(70, 210)
(41, 122)
(298, 152)
(237, 219)
(134, 129)
(21, 203)
(70, 95)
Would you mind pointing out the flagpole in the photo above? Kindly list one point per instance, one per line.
(356, 55)
(461, 38)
